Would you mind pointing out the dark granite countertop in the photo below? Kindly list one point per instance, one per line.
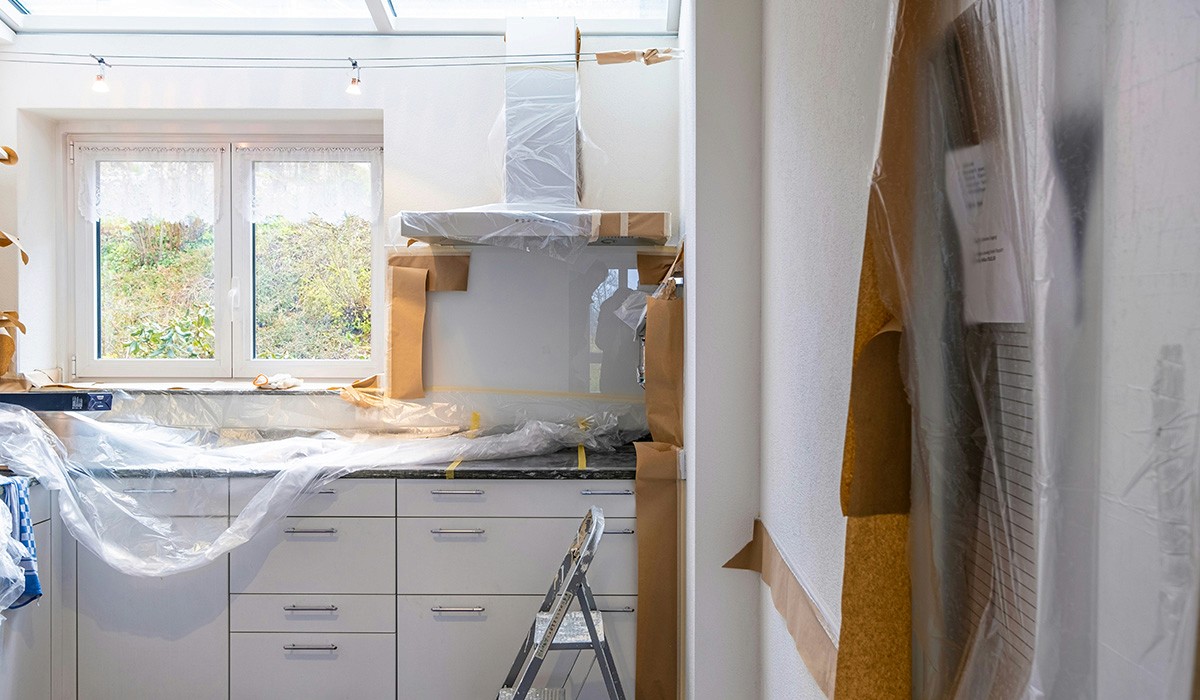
(618, 464)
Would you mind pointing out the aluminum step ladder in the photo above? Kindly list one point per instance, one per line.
(555, 627)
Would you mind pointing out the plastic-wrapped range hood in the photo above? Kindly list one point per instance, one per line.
(541, 161)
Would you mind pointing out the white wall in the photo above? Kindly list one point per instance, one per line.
(723, 220)
(435, 124)
(821, 115)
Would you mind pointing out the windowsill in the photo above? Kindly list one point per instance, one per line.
(226, 387)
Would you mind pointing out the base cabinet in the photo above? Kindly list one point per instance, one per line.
(25, 668)
(152, 637)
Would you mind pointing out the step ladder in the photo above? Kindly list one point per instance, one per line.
(555, 627)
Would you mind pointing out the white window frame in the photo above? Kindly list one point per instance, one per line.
(86, 309)
(233, 270)
(245, 363)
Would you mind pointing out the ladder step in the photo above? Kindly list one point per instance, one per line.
(572, 633)
(536, 694)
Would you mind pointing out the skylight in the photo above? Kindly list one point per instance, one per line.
(328, 16)
(273, 9)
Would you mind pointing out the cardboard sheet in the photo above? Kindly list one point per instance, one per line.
(664, 369)
(406, 336)
(448, 272)
(654, 265)
(806, 624)
(653, 226)
(658, 512)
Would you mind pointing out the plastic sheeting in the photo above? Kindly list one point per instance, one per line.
(1048, 297)
(120, 494)
(12, 575)
(560, 234)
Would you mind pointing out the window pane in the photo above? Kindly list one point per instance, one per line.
(312, 264)
(155, 259)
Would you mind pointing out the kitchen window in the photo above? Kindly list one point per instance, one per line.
(226, 259)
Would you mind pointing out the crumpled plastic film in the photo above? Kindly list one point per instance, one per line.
(122, 487)
(12, 575)
(1054, 491)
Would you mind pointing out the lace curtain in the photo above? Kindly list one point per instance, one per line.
(299, 183)
(147, 182)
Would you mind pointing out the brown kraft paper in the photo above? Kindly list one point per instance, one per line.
(447, 272)
(664, 369)
(407, 333)
(805, 623)
(658, 571)
(655, 266)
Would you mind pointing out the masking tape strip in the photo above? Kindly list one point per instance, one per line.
(475, 421)
(582, 457)
(406, 337)
(450, 469)
(605, 58)
(808, 627)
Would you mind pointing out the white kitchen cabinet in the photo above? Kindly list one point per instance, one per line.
(353, 498)
(620, 628)
(318, 555)
(511, 498)
(154, 637)
(507, 555)
(25, 668)
(313, 666)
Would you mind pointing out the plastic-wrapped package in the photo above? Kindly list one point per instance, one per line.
(107, 475)
(1050, 345)
(559, 233)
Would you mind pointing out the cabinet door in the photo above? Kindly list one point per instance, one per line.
(25, 636)
(620, 628)
(461, 647)
(154, 637)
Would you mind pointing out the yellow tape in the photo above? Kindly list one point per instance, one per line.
(450, 469)
(475, 421)
(582, 458)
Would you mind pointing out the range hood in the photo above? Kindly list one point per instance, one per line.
(542, 170)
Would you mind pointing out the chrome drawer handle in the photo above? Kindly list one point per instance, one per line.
(326, 492)
(626, 531)
(311, 531)
(625, 609)
(457, 492)
(593, 492)
(457, 610)
(310, 647)
(149, 490)
(464, 531)
(310, 608)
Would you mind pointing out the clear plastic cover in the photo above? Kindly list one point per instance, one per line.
(123, 486)
(1049, 313)
(560, 233)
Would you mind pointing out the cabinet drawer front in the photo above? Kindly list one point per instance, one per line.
(312, 613)
(342, 498)
(176, 496)
(312, 666)
(318, 555)
(567, 498)
(514, 556)
(465, 655)
(620, 628)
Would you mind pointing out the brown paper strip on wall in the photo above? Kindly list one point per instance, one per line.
(807, 625)
(664, 369)
(447, 272)
(658, 571)
(605, 58)
(654, 226)
(874, 652)
(653, 265)
(407, 333)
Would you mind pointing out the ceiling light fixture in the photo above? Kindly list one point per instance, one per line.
(355, 87)
(101, 82)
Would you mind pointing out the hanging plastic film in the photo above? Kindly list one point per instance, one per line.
(123, 483)
(1029, 198)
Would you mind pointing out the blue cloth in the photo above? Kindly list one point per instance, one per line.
(16, 498)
